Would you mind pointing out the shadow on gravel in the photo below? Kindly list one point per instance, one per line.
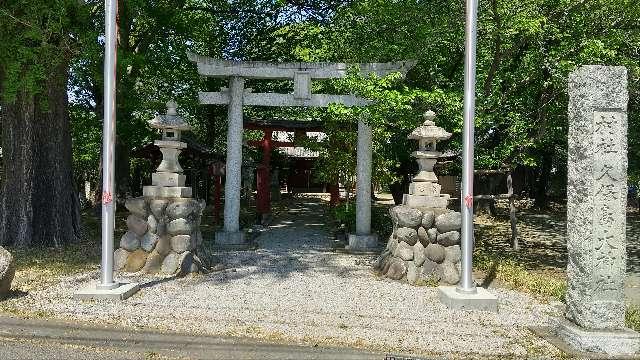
(155, 282)
(14, 294)
(273, 268)
(542, 239)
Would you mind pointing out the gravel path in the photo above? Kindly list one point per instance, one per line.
(294, 289)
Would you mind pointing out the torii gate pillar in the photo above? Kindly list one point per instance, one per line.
(363, 240)
(232, 234)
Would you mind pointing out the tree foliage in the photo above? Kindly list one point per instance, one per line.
(525, 52)
(37, 36)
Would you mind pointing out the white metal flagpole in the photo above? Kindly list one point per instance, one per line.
(108, 144)
(466, 284)
(107, 288)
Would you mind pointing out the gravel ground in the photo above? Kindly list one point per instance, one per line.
(294, 289)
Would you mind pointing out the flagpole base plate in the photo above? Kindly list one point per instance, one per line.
(481, 300)
(95, 292)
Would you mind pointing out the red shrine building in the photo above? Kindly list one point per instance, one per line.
(281, 135)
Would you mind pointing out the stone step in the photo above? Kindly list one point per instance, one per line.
(166, 191)
(426, 201)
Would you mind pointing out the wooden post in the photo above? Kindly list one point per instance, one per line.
(264, 179)
(512, 213)
(334, 191)
(217, 204)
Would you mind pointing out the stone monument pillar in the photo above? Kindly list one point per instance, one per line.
(163, 229)
(596, 212)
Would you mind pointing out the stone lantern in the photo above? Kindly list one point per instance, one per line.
(424, 245)
(171, 124)
(168, 180)
(424, 190)
(163, 230)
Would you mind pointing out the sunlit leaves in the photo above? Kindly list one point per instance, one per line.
(35, 37)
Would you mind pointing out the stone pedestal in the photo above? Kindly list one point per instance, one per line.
(426, 201)
(362, 243)
(163, 236)
(596, 209)
(424, 246)
(481, 300)
(166, 192)
(612, 342)
(93, 292)
(426, 191)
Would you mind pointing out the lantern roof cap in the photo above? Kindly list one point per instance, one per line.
(171, 120)
(429, 130)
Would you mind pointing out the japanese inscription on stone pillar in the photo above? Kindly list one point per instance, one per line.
(596, 197)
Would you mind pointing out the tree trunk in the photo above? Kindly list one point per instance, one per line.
(397, 191)
(16, 212)
(40, 206)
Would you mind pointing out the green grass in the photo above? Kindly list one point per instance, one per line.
(430, 282)
(514, 275)
(632, 318)
(39, 266)
(69, 259)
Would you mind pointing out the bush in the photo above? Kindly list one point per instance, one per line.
(344, 216)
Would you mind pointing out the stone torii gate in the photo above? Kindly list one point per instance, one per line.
(302, 74)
